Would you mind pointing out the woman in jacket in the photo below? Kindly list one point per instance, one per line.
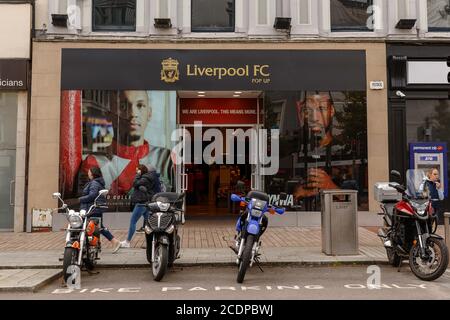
(436, 193)
(89, 194)
(143, 190)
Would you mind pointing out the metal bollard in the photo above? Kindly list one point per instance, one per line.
(447, 228)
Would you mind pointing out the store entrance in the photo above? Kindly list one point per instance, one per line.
(208, 186)
(220, 134)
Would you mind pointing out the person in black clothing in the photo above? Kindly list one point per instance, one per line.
(434, 188)
(89, 194)
(144, 187)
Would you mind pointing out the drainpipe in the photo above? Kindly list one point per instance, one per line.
(27, 224)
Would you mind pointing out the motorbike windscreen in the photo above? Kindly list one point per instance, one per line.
(415, 184)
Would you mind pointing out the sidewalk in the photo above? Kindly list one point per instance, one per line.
(30, 260)
(202, 242)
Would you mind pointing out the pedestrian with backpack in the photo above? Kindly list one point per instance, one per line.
(158, 187)
(146, 182)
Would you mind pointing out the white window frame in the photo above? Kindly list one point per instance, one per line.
(142, 20)
(240, 23)
(326, 22)
(423, 12)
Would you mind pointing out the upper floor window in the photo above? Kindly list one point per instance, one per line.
(438, 15)
(114, 15)
(212, 16)
(351, 15)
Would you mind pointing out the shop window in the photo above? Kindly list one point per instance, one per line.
(114, 15)
(438, 15)
(212, 16)
(323, 145)
(351, 15)
(119, 131)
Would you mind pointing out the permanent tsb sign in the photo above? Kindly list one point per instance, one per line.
(149, 69)
(13, 74)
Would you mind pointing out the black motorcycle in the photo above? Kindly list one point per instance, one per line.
(161, 231)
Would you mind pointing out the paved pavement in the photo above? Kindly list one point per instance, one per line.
(202, 244)
(194, 234)
(21, 280)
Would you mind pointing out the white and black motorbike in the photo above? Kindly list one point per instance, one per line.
(83, 245)
(161, 231)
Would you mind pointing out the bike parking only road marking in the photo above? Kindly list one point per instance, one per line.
(167, 290)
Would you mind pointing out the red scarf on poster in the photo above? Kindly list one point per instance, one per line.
(124, 182)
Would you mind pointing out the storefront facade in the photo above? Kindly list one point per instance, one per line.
(332, 127)
(419, 106)
(13, 128)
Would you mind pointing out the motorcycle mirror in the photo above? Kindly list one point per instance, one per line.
(56, 195)
(235, 198)
(395, 173)
(280, 210)
(283, 196)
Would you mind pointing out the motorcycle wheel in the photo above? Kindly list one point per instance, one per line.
(159, 266)
(90, 261)
(435, 266)
(393, 258)
(245, 258)
(70, 258)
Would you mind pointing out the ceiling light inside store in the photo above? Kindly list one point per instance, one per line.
(238, 92)
(201, 92)
(201, 95)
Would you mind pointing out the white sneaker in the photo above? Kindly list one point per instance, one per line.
(116, 247)
(388, 244)
(124, 244)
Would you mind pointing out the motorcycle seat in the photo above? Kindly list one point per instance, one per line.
(258, 195)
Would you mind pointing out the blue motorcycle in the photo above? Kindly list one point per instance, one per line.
(250, 226)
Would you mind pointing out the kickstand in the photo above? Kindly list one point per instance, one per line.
(258, 263)
(399, 266)
(234, 249)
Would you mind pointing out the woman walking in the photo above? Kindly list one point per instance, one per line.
(143, 190)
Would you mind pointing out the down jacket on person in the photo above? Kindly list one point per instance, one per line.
(144, 187)
(90, 192)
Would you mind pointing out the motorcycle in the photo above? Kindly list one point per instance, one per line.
(161, 231)
(250, 227)
(83, 245)
(408, 231)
